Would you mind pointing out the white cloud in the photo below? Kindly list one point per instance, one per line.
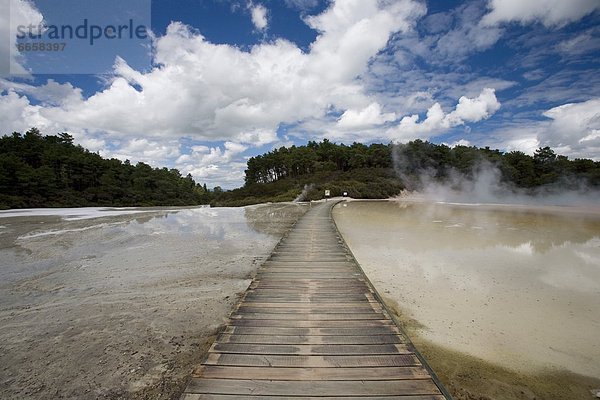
(259, 16)
(15, 13)
(551, 13)
(571, 129)
(214, 165)
(367, 117)
(18, 114)
(574, 129)
(461, 142)
(527, 144)
(215, 92)
(474, 110)
(586, 42)
(448, 37)
(467, 110)
(51, 93)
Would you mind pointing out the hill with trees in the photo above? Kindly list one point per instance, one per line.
(382, 171)
(50, 171)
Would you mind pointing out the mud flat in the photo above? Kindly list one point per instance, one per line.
(502, 300)
(121, 303)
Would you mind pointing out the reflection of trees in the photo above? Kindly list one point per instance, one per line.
(274, 219)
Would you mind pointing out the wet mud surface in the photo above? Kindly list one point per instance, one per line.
(124, 305)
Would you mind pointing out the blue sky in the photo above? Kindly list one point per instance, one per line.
(232, 79)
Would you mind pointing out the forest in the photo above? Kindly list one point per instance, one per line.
(381, 171)
(51, 171)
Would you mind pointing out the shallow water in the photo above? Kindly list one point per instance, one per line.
(519, 287)
(115, 303)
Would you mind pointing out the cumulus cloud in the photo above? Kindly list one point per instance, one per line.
(574, 129)
(367, 117)
(15, 13)
(215, 165)
(571, 129)
(51, 93)
(467, 110)
(474, 110)
(259, 16)
(551, 13)
(18, 114)
(213, 91)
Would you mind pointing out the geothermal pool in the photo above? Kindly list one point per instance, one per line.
(122, 303)
(516, 286)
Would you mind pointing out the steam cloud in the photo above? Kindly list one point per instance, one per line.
(484, 185)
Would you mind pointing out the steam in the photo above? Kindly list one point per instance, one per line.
(303, 196)
(483, 184)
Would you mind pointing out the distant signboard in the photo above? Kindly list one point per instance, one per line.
(327, 193)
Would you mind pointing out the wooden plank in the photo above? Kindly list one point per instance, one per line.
(309, 339)
(310, 282)
(198, 396)
(312, 374)
(309, 349)
(337, 361)
(317, 306)
(309, 324)
(310, 293)
(312, 388)
(256, 330)
(311, 270)
(309, 317)
(303, 299)
(253, 309)
(349, 287)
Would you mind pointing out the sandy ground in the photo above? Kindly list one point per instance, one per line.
(503, 301)
(122, 305)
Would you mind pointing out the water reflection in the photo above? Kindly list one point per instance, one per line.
(33, 241)
(518, 286)
(472, 227)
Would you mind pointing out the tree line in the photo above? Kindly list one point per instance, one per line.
(51, 171)
(380, 170)
(517, 169)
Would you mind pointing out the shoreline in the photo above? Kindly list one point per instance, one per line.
(468, 377)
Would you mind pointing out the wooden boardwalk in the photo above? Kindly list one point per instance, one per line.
(311, 326)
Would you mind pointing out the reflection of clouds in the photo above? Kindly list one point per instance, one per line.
(524, 248)
(41, 235)
(71, 214)
(567, 279)
(208, 224)
(464, 247)
(63, 231)
(261, 217)
(524, 283)
(454, 227)
(591, 259)
(577, 268)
